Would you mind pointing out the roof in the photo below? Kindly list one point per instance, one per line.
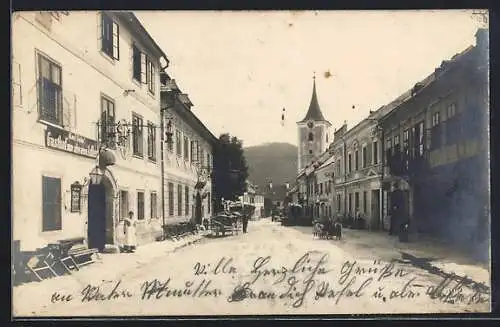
(419, 86)
(314, 113)
(185, 99)
(137, 28)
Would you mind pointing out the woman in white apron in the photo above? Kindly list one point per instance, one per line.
(129, 231)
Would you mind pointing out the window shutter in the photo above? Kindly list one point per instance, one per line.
(116, 41)
(143, 68)
(369, 154)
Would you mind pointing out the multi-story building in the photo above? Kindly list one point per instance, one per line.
(86, 105)
(323, 187)
(436, 146)
(188, 158)
(253, 197)
(358, 169)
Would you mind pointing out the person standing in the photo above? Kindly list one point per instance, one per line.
(129, 231)
(245, 222)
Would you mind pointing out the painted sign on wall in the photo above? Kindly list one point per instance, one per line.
(63, 140)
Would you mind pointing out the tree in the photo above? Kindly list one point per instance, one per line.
(230, 169)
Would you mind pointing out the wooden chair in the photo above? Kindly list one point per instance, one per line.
(41, 261)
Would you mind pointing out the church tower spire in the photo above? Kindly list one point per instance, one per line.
(314, 112)
(313, 132)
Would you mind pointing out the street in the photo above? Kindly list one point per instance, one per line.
(270, 270)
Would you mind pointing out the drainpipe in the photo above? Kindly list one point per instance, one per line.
(162, 128)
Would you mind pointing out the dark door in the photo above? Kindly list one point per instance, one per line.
(198, 209)
(97, 216)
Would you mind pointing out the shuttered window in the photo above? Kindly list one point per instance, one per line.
(186, 200)
(179, 200)
(51, 204)
(170, 199)
(50, 102)
(110, 38)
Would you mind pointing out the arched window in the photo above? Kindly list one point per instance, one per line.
(311, 136)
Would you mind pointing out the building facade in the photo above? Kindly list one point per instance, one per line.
(188, 159)
(436, 143)
(75, 173)
(358, 169)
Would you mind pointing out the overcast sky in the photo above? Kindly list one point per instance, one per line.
(241, 69)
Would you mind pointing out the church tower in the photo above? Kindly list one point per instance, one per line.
(313, 132)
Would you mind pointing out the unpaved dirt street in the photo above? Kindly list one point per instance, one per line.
(271, 270)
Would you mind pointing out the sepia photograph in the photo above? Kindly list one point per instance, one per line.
(236, 163)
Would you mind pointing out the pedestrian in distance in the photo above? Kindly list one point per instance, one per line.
(129, 231)
(245, 222)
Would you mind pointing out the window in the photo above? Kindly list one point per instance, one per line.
(150, 76)
(179, 200)
(311, 137)
(435, 131)
(178, 142)
(137, 63)
(186, 200)
(50, 104)
(51, 202)
(194, 154)
(124, 204)
(349, 162)
(140, 205)
(310, 151)
(365, 204)
(151, 141)
(364, 159)
(413, 145)
(375, 152)
(452, 124)
(154, 205)
(202, 157)
(321, 188)
(209, 162)
(137, 141)
(338, 202)
(406, 137)
(170, 199)
(420, 141)
(108, 127)
(356, 160)
(186, 148)
(110, 43)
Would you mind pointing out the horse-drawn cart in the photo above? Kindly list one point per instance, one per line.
(227, 222)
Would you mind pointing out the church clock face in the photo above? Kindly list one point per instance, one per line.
(310, 124)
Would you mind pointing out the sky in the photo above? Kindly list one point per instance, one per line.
(240, 69)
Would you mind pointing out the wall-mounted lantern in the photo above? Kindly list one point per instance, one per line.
(76, 197)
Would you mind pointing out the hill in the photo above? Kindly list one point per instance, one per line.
(274, 161)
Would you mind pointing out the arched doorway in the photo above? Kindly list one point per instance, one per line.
(100, 226)
(197, 209)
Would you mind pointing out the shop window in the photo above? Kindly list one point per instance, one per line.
(179, 200)
(124, 207)
(154, 205)
(51, 204)
(140, 205)
(170, 199)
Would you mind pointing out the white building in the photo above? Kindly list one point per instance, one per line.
(255, 199)
(188, 160)
(72, 71)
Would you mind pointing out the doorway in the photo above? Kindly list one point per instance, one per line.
(100, 228)
(198, 209)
